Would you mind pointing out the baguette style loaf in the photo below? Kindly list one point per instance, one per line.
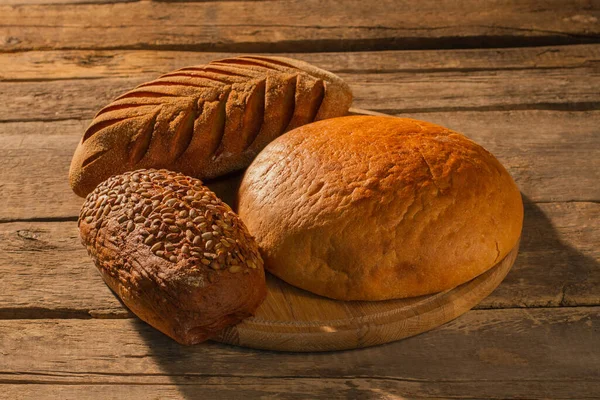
(205, 121)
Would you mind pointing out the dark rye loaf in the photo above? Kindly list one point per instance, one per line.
(176, 255)
(205, 121)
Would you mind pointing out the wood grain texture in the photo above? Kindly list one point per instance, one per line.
(313, 25)
(553, 156)
(537, 353)
(62, 2)
(228, 388)
(301, 388)
(395, 92)
(291, 319)
(558, 265)
(87, 64)
(500, 353)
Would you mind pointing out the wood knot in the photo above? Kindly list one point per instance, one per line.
(25, 234)
(10, 40)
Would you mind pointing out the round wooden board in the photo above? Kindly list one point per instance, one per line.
(292, 319)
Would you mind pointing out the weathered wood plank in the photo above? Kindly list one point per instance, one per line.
(393, 92)
(47, 273)
(34, 160)
(300, 388)
(50, 274)
(553, 156)
(535, 353)
(479, 91)
(65, 2)
(69, 64)
(221, 389)
(297, 25)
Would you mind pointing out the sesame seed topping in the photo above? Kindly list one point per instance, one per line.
(172, 237)
(156, 246)
(147, 210)
(177, 217)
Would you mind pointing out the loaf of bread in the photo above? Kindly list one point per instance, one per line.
(205, 121)
(176, 255)
(373, 208)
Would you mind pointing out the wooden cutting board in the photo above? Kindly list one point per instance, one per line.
(292, 319)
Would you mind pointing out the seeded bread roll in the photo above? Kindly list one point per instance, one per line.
(205, 121)
(374, 208)
(176, 255)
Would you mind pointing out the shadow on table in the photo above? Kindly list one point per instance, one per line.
(208, 370)
(547, 266)
(196, 370)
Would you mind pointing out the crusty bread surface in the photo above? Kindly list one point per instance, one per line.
(374, 208)
(177, 256)
(207, 120)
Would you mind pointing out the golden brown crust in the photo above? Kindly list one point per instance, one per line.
(205, 121)
(176, 255)
(372, 208)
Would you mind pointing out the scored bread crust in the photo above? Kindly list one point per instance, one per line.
(205, 121)
(374, 208)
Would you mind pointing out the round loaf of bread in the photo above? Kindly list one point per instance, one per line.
(374, 208)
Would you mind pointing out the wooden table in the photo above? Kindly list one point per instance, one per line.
(521, 77)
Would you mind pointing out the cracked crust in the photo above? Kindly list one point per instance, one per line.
(176, 255)
(373, 208)
(205, 121)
